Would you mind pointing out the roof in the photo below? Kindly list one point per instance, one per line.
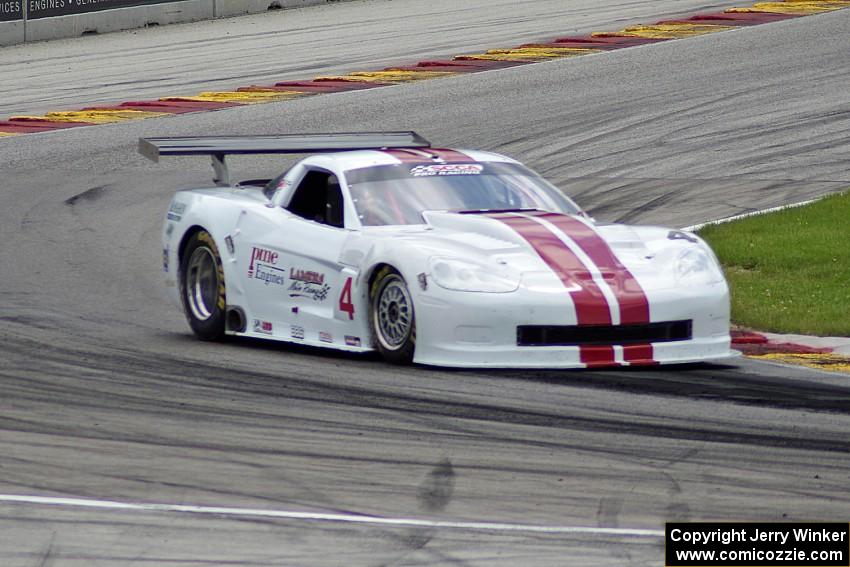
(371, 158)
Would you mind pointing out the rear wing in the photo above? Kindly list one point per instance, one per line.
(217, 147)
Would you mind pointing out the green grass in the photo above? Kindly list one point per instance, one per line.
(789, 271)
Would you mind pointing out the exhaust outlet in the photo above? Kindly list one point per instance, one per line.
(235, 321)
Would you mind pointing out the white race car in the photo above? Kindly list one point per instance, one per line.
(441, 257)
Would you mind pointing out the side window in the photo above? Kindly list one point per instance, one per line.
(318, 198)
(273, 185)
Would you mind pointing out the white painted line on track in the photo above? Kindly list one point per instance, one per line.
(696, 227)
(313, 516)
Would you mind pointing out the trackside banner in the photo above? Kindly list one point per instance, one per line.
(11, 10)
(50, 8)
(757, 544)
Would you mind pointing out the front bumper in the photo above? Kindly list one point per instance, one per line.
(479, 330)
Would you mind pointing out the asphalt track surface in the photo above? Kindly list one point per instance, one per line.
(106, 396)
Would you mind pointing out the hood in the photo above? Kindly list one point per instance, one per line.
(607, 270)
(500, 236)
(597, 266)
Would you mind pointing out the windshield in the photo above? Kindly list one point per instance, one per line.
(398, 194)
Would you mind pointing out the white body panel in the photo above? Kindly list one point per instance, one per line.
(300, 281)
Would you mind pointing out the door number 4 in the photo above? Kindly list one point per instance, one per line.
(345, 304)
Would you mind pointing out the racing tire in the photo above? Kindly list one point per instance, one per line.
(392, 317)
(202, 289)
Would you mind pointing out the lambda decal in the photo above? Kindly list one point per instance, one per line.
(263, 267)
(446, 169)
(308, 284)
(326, 337)
(263, 327)
(297, 332)
(352, 341)
(176, 210)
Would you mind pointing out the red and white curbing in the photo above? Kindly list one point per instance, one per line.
(696, 227)
(756, 343)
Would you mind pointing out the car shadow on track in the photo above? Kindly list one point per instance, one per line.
(336, 379)
(705, 381)
(301, 349)
(718, 382)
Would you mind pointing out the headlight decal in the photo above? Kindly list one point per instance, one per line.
(697, 265)
(460, 275)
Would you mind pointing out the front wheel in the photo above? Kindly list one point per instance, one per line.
(392, 317)
(202, 287)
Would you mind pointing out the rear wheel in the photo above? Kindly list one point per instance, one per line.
(392, 317)
(202, 287)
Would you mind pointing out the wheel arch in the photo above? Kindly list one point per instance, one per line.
(184, 241)
(373, 275)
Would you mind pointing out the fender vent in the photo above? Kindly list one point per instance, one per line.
(576, 335)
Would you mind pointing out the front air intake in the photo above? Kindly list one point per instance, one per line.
(577, 335)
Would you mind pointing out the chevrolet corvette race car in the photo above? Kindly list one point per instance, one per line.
(458, 258)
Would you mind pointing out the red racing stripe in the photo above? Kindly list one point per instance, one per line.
(591, 305)
(408, 156)
(452, 156)
(639, 355)
(634, 305)
(427, 155)
(598, 356)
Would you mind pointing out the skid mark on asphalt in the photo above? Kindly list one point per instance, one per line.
(596, 42)
(321, 517)
(437, 489)
(88, 195)
(700, 383)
